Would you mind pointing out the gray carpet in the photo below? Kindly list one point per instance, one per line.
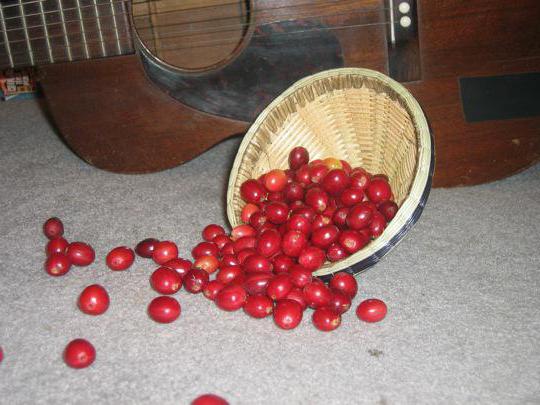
(462, 290)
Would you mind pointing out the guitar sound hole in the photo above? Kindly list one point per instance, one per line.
(192, 35)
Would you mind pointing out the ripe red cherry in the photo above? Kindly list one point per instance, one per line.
(336, 252)
(333, 163)
(308, 212)
(302, 175)
(57, 264)
(228, 260)
(258, 306)
(228, 249)
(164, 309)
(352, 241)
(255, 283)
(351, 196)
(378, 190)
(371, 310)
(377, 225)
(205, 249)
(325, 319)
(319, 221)
(340, 217)
(300, 276)
(293, 243)
(257, 263)
(312, 258)
(317, 294)
(79, 353)
(94, 300)
(287, 314)
(242, 230)
(248, 210)
(293, 192)
(209, 399)
(335, 182)
(165, 251)
(388, 209)
(269, 243)
(275, 180)
(277, 212)
(165, 281)
(299, 223)
(276, 196)
(53, 228)
(360, 178)
(231, 298)
(298, 157)
(181, 266)
(228, 274)
(346, 166)
(212, 289)
(331, 208)
(282, 264)
(145, 248)
(195, 280)
(120, 258)
(359, 216)
(317, 172)
(258, 219)
(243, 255)
(317, 199)
(297, 295)
(324, 236)
(345, 283)
(56, 245)
(208, 263)
(279, 287)
(80, 254)
(340, 303)
(252, 191)
(221, 241)
(211, 231)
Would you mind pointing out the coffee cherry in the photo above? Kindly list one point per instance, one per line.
(277, 212)
(228, 274)
(164, 251)
(336, 252)
(298, 157)
(57, 264)
(181, 266)
(378, 190)
(293, 192)
(228, 260)
(339, 303)
(256, 283)
(279, 287)
(317, 294)
(257, 263)
(247, 242)
(351, 196)
(360, 178)
(275, 180)
(165, 281)
(325, 236)
(312, 258)
(231, 298)
(282, 264)
(211, 231)
(352, 241)
(243, 255)
(212, 289)
(209, 399)
(371, 310)
(145, 248)
(302, 175)
(252, 191)
(80, 254)
(297, 295)
(208, 263)
(258, 220)
(242, 230)
(317, 172)
(335, 182)
(195, 280)
(120, 258)
(299, 223)
(205, 249)
(359, 216)
(377, 225)
(319, 221)
(221, 241)
(300, 276)
(345, 283)
(258, 306)
(317, 199)
(248, 210)
(164, 309)
(340, 217)
(388, 209)
(53, 228)
(287, 314)
(79, 353)
(94, 300)
(325, 319)
(332, 163)
(308, 212)
(269, 243)
(293, 243)
(56, 245)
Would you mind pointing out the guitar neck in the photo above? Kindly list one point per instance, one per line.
(36, 32)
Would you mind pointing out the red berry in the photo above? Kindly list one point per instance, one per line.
(345, 283)
(208, 263)
(352, 241)
(351, 196)
(317, 294)
(388, 209)
(248, 210)
(319, 221)
(145, 248)
(282, 264)
(53, 228)
(359, 178)
(325, 236)
(57, 264)
(298, 157)
(297, 295)
(346, 166)
(257, 263)
(307, 212)
(255, 283)
(302, 175)
(228, 260)
(378, 190)
(228, 274)
(359, 216)
(340, 303)
(317, 172)
(165, 251)
(228, 249)
(277, 212)
(221, 241)
(258, 306)
(287, 314)
(275, 180)
(258, 219)
(80, 254)
(371, 310)
(377, 225)
(340, 217)
(335, 182)
(252, 191)
(205, 249)
(277, 196)
(242, 230)
(79, 353)
(231, 298)
(317, 199)
(300, 277)
(165, 281)
(331, 208)
(120, 258)
(164, 309)
(209, 399)
(293, 192)
(94, 300)
(293, 243)
(181, 266)
(195, 280)
(336, 252)
(279, 287)
(212, 289)
(56, 245)
(269, 243)
(299, 223)
(211, 231)
(333, 163)
(312, 258)
(325, 319)
(243, 255)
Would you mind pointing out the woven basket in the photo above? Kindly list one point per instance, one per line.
(358, 115)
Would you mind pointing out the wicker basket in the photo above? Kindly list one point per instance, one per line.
(358, 115)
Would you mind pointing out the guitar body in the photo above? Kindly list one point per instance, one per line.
(130, 114)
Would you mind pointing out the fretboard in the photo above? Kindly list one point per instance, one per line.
(36, 32)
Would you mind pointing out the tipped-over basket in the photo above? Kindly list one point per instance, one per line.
(358, 115)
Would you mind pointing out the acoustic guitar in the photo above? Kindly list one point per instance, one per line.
(144, 85)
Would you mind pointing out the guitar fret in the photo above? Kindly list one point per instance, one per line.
(27, 37)
(100, 34)
(83, 31)
(46, 31)
(6, 39)
(115, 25)
(64, 31)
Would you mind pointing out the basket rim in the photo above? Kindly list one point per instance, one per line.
(411, 207)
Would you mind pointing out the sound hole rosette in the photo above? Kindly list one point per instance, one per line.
(359, 115)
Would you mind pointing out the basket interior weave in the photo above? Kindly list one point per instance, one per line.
(351, 114)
